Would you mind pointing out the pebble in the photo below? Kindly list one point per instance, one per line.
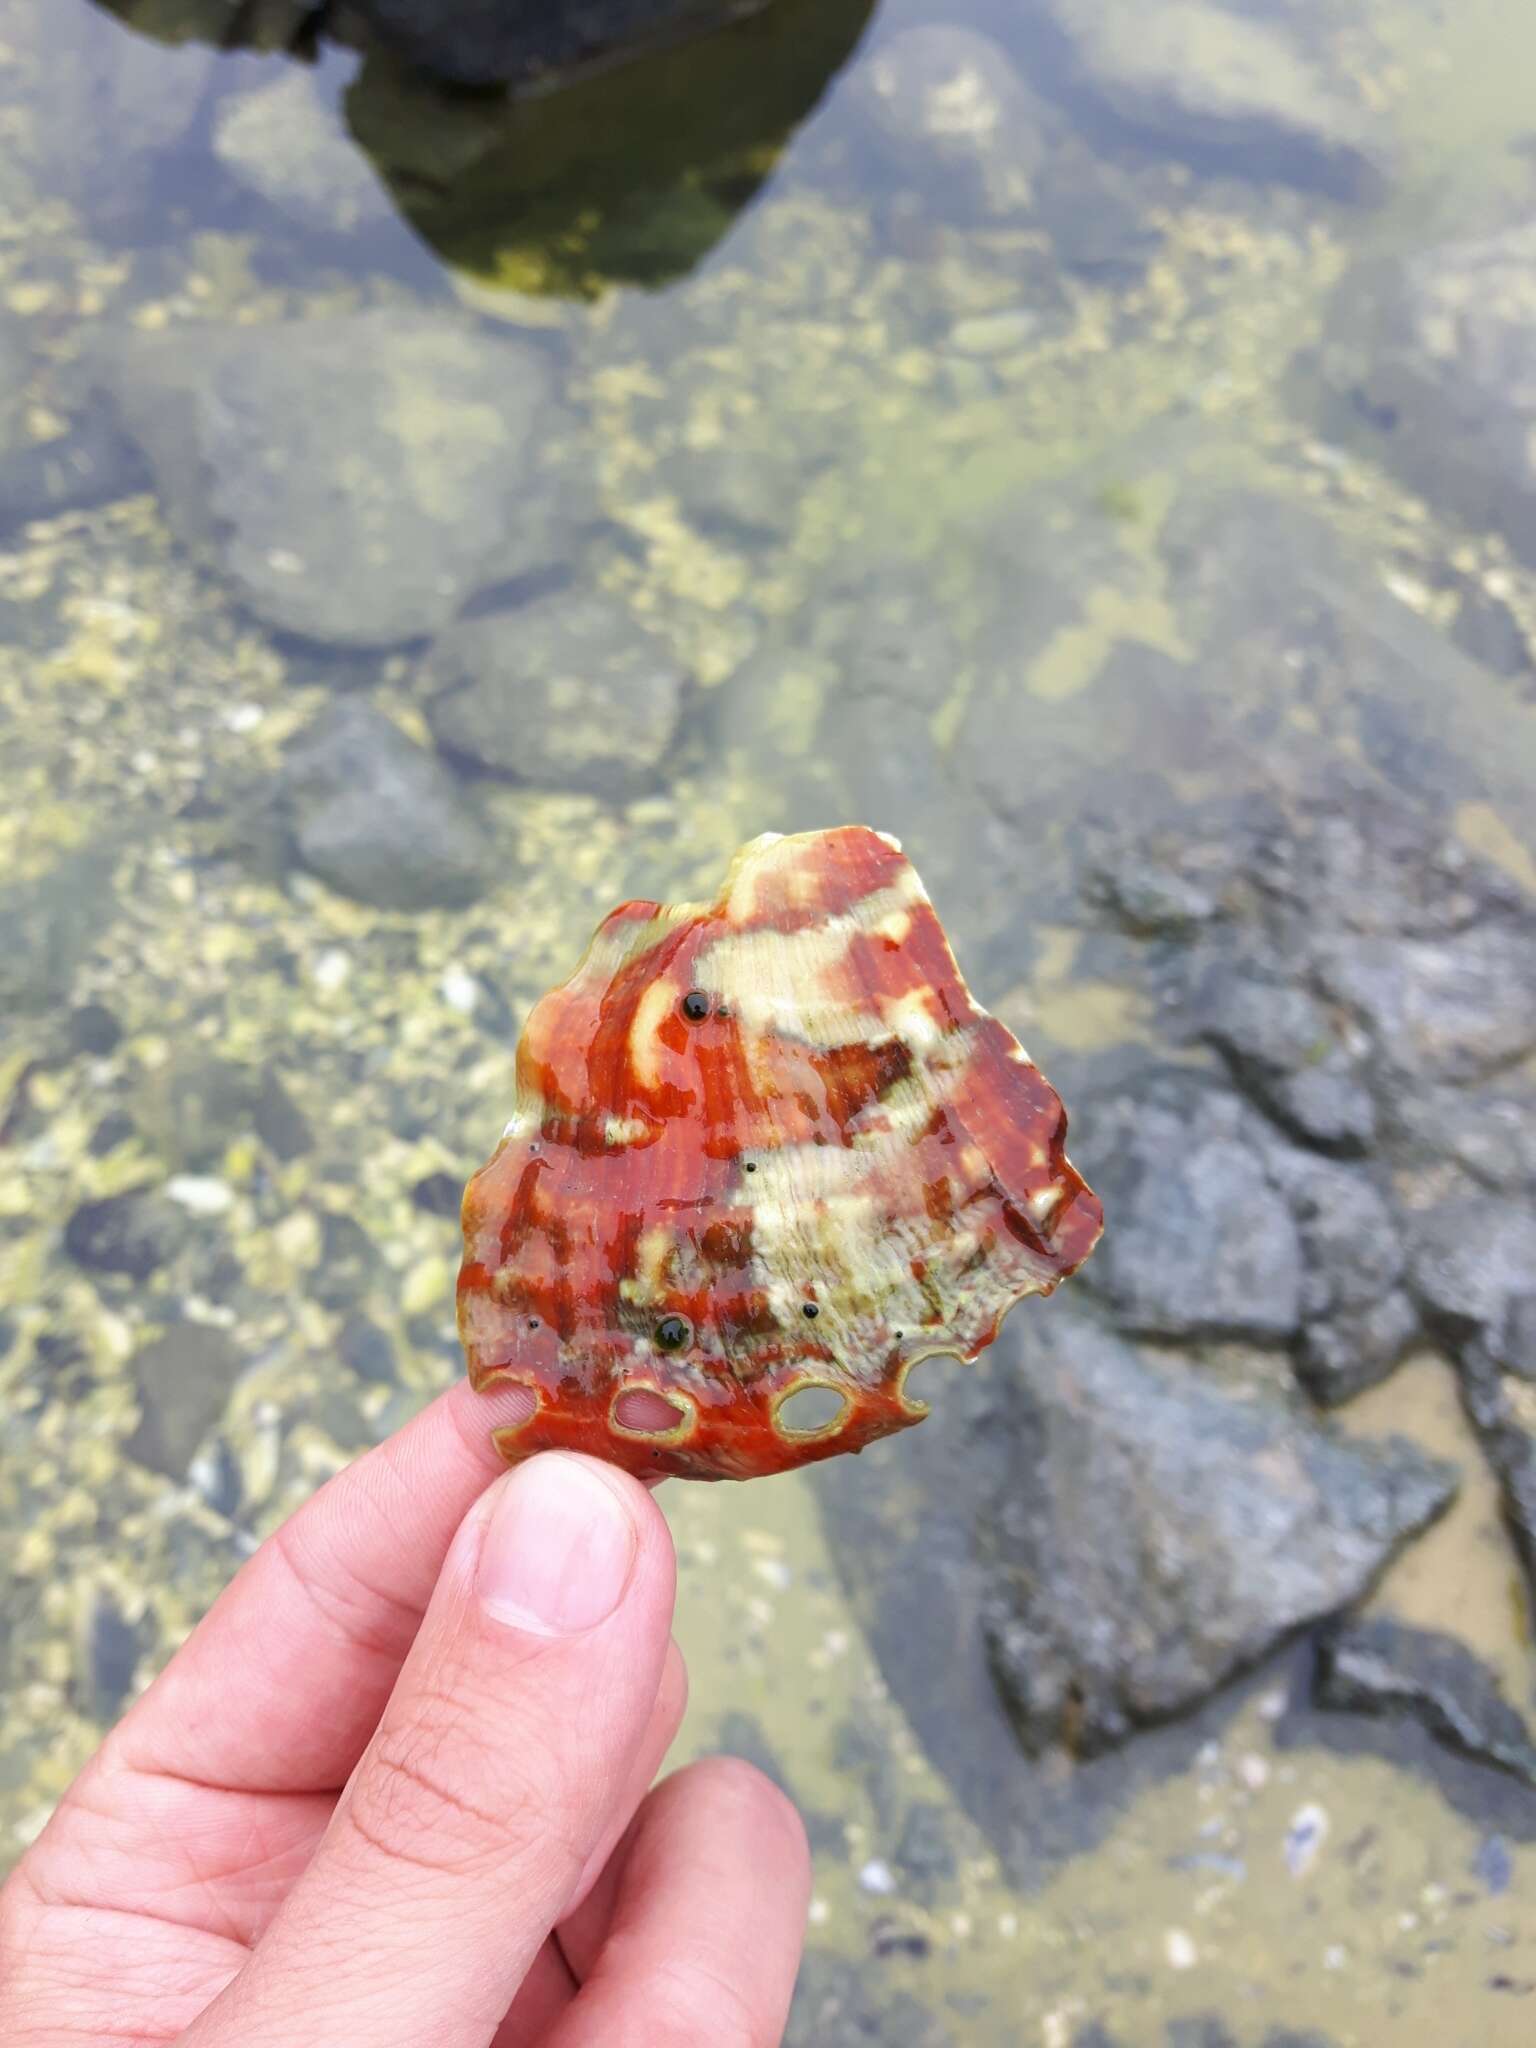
(200, 1194)
(1304, 1838)
(1180, 1949)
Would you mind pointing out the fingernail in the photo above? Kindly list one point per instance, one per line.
(559, 1548)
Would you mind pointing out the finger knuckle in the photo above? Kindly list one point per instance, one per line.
(697, 2007)
(431, 1799)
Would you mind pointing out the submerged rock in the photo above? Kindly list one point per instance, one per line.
(114, 105)
(1207, 82)
(1436, 355)
(285, 145)
(379, 818)
(48, 926)
(570, 692)
(92, 462)
(1380, 1667)
(183, 1379)
(354, 479)
(1236, 1519)
(946, 110)
(133, 1234)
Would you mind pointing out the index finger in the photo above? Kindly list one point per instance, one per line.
(280, 1686)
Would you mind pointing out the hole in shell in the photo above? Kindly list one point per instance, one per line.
(517, 1404)
(646, 1412)
(922, 1383)
(811, 1410)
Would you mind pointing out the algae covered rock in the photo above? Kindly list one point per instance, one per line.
(568, 691)
(354, 479)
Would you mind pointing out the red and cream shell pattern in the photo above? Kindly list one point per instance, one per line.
(760, 1144)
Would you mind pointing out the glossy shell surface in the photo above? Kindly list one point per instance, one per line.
(760, 1144)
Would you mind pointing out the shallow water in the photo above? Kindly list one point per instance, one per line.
(819, 415)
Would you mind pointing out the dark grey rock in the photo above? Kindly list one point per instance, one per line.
(349, 1263)
(107, 1658)
(1151, 898)
(925, 1852)
(1491, 1133)
(279, 1122)
(1236, 1520)
(94, 1030)
(1451, 1008)
(1356, 1348)
(1380, 1667)
(133, 1234)
(355, 479)
(379, 818)
(1214, 85)
(1474, 1269)
(949, 114)
(1283, 1045)
(184, 1379)
(484, 42)
(1202, 1243)
(367, 1350)
(1438, 353)
(1504, 1415)
(569, 692)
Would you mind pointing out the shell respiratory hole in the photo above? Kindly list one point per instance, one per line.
(907, 1180)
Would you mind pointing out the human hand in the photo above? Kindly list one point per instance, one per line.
(392, 1793)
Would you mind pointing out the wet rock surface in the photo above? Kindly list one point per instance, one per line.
(570, 691)
(1379, 1667)
(1435, 359)
(1214, 84)
(354, 480)
(1343, 932)
(379, 818)
(1095, 1630)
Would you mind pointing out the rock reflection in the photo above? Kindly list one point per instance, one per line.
(627, 165)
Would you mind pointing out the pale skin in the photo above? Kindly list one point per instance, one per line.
(397, 1789)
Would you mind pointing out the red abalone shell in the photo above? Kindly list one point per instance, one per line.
(760, 1144)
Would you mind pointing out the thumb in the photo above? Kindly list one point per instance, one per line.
(499, 1767)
